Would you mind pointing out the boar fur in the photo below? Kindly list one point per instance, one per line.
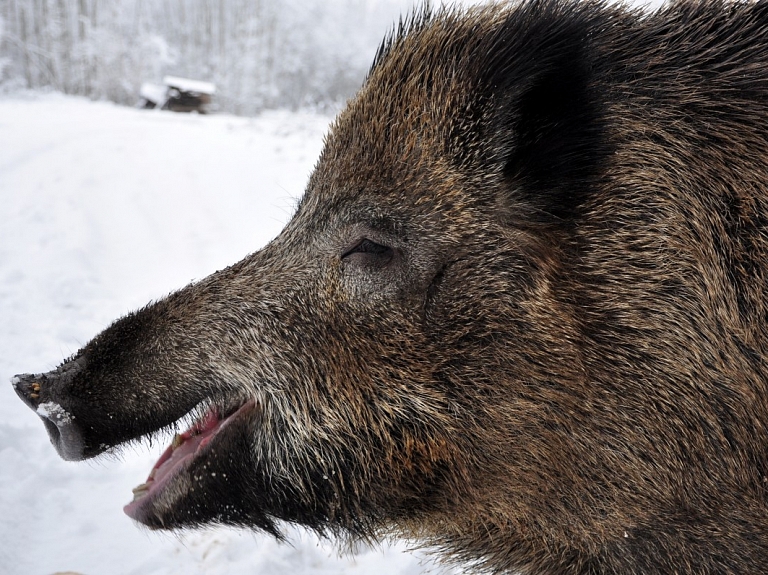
(519, 314)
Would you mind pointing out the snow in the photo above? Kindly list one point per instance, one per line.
(187, 85)
(103, 209)
(54, 412)
(155, 93)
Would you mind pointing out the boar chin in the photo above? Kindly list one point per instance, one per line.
(190, 464)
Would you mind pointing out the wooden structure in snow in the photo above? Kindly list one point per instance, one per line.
(178, 95)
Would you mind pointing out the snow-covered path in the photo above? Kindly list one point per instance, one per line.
(102, 209)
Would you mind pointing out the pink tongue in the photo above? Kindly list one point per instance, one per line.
(183, 449)
(194, 438)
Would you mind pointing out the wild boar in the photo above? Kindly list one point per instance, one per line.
(520, 314)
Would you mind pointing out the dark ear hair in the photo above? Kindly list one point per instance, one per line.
(548, 110)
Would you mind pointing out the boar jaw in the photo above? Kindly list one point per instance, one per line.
(177, 458)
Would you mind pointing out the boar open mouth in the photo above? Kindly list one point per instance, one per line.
(185, 448)
(81, 431)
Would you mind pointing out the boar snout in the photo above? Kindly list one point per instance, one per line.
(39, 392)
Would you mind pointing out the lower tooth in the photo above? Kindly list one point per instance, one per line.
(140, 491)
(177, 440)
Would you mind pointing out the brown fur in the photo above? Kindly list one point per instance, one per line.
(549, 357)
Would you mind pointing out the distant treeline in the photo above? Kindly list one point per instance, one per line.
(260, 53)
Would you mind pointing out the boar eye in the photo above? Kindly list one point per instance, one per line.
(378, 252)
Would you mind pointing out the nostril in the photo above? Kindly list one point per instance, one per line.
(64, 432)
(53, 432)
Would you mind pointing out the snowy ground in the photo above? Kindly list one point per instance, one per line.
(104, 208)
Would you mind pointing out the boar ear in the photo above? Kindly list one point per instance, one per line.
(550, 119)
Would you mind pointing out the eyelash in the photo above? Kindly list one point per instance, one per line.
(366, 246)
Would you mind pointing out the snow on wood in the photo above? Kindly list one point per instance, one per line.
(178, 95)
(187, 85)
(155, 93)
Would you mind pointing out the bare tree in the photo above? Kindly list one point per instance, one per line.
(260, 53)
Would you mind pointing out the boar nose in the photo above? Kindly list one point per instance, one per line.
(36, 391)
(28, 388)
